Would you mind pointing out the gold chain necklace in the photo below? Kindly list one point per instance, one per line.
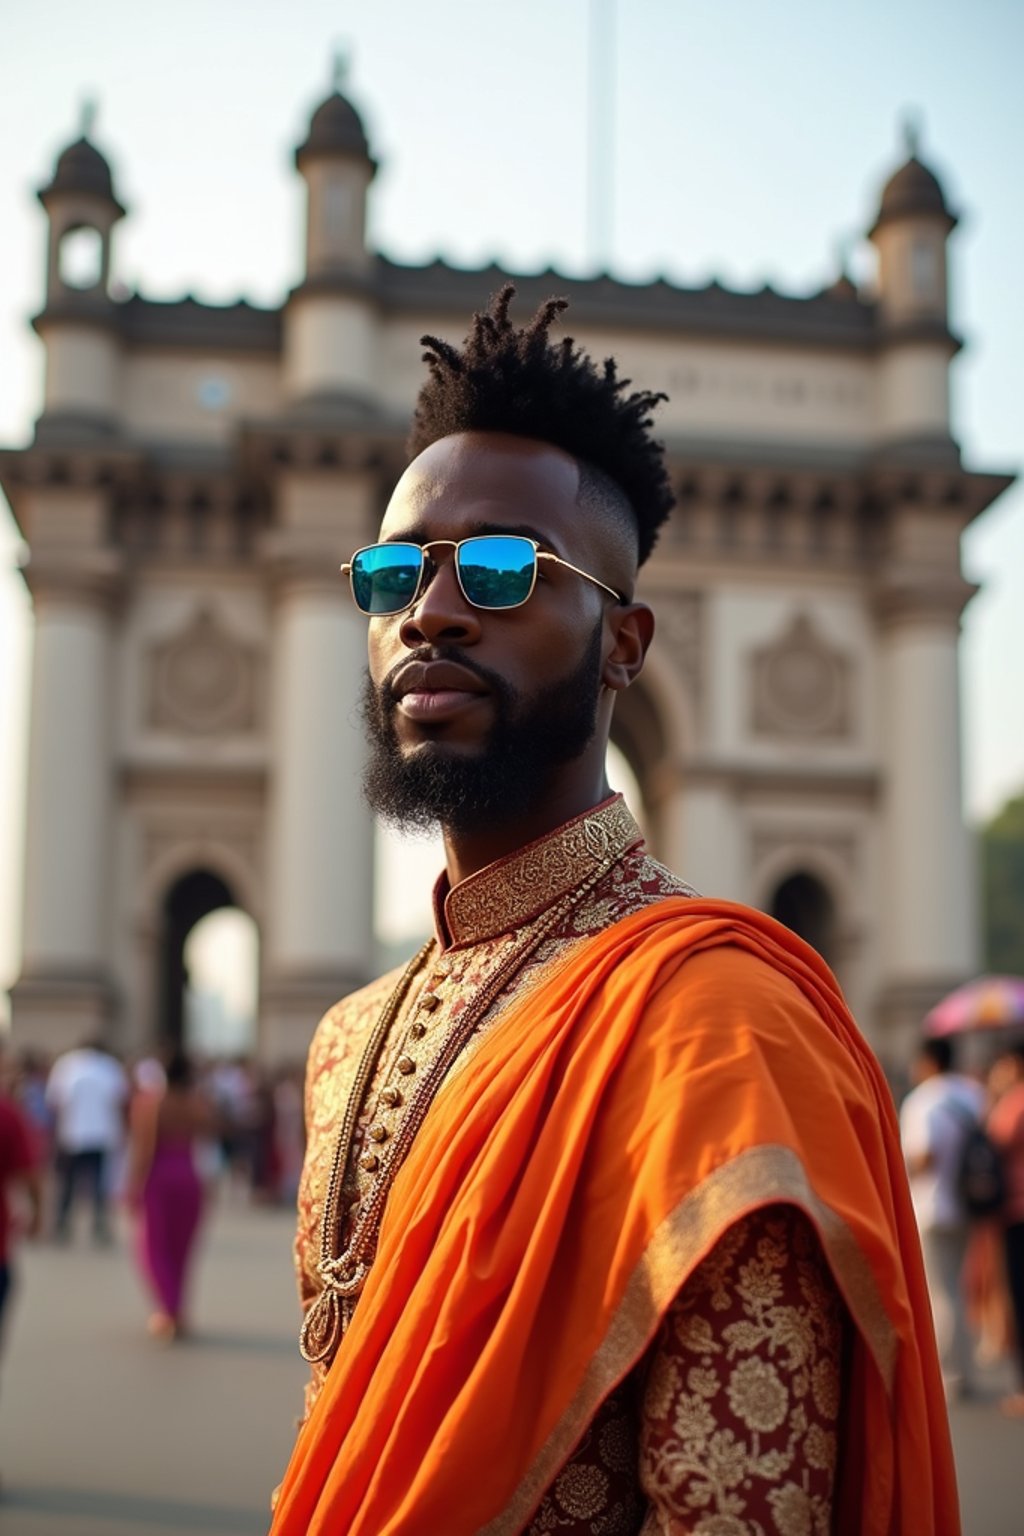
(343, 1275)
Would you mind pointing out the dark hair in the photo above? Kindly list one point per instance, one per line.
(178, 1069)
(939, 1052)
(516, 379)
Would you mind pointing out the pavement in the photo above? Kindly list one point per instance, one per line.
(105, 1433)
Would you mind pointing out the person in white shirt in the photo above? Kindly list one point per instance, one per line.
(936, 1118)
(88, 1092)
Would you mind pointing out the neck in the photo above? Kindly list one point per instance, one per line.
(468, 852)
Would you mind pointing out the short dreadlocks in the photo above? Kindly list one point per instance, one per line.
(517, 380)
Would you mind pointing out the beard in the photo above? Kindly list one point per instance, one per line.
(530, 736)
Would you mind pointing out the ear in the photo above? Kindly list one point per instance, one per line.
(632, 628)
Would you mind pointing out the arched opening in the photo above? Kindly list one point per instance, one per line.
(803, 903)
(80, 258)
(623, 779)
(222, 989)
(207, 968)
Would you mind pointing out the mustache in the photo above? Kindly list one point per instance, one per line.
(493, 680)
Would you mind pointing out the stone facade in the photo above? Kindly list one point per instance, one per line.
(198, 473)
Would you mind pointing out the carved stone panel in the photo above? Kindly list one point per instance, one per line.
(800, 846)
(801, 685)
(204, 680)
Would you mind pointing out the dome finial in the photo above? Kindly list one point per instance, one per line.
(912, 129)
(87, 116)
(913, 191)
(843, 250)
(340, 63)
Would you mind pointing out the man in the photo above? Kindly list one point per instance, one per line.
(1006, 1129)
(936, 1118)
(603, 1224)
(88, 1092)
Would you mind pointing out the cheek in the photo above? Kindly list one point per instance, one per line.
(382, 649)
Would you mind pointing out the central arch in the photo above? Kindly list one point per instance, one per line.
(192, 897)
(804, 904)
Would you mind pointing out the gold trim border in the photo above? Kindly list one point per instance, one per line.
(763, 1175)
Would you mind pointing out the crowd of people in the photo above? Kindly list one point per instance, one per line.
(963, 1139)
(157, 1137)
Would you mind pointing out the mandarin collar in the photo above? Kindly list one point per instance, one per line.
(514, 890)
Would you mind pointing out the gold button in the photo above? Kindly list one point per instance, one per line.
(417, 1031)
(429, 1002)
(391, 1097)
(378, 1133)
(405, 1065)
(370, 1162)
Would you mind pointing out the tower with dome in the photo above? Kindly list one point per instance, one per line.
(198, 472)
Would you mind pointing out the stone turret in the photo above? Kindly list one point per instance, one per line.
(329, 330)
(78, 324)
(910, 232)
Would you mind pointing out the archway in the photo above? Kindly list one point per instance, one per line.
(804, 904)
(192, 897)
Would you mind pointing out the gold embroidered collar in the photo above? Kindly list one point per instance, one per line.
(515, 890)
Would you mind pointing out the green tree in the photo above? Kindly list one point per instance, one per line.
(1002, 886)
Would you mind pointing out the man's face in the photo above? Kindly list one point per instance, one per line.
(469, 711)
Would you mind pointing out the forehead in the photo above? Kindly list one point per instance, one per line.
(476, 479)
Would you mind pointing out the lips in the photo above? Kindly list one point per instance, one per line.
(434, 690)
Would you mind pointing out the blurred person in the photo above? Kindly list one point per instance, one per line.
(936, 1118)
(30, 1091)
(291, 1132)
(234, 1088)
(87, 1091)
(604, 1223)
(148, 1075)
(1006, 1128)
(164, 1188)
(989, 1311)
(266, 1151)
(19, 1171)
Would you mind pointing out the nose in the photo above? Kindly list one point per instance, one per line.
(441, 612)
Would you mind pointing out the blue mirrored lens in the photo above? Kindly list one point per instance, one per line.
(384, 577)
(496, 570)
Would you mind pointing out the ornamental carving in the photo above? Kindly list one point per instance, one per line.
(203, 680)
(800, 685)
(800, 846)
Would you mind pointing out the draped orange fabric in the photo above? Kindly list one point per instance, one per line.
(692, 1063)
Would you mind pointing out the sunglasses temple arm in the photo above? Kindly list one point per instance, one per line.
(544, 554)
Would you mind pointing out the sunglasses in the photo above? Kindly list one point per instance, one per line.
(494, 570)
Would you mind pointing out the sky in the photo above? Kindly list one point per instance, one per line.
(742, 141)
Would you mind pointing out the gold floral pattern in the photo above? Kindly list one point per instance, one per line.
(598, 1490)
(738, 1428)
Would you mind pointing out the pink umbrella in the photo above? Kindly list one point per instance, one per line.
(991, 1002)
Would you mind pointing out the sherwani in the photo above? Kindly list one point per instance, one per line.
(719, 1428)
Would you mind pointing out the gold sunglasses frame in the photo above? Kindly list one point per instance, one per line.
(456, 544)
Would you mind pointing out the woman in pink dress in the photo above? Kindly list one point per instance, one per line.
(165, 1189)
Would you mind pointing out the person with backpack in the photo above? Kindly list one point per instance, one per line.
(1006, 1129)
(938, 1121)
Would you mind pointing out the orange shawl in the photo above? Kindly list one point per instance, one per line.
(691, 1063)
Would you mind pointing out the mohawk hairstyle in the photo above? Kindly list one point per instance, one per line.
(517, 380)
